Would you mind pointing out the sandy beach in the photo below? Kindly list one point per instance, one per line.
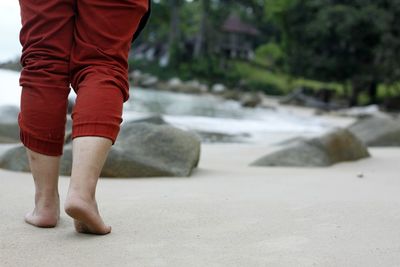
(230, 82)
(226, 214)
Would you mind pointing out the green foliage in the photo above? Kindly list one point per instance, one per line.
(261, 79)
(277, 83)
(278, 12)
(175, 55)
(276, 9)
(269, 55)
(347, 45)
(340, 40)
(210, 69)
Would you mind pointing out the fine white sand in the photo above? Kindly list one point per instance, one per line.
(226, 214)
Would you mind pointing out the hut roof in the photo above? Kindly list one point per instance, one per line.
(234, 24)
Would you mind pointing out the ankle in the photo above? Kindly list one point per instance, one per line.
(80, 193)
(47, 194)
(47, 199)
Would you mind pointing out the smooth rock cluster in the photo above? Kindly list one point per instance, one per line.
(142, 150)
(145, 80)
(378, 131)
(334, 147)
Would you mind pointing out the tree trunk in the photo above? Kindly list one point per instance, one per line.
(202, 40)
(355, 92)
(372, 92)
(174, 32)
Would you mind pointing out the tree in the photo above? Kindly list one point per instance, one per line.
(202, 39)
(174, 32)
(336, 40)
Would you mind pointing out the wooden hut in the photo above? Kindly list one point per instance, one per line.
(237, 38)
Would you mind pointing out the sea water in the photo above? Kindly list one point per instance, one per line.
(205, 113)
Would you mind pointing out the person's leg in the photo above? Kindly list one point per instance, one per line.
(89, 155)
(46, 39)
(99, 75)
(45, 174)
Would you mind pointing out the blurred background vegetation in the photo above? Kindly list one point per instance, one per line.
(348, 48)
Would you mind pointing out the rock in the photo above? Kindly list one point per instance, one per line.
(15, 159)
(214, 137)
(143, 79)
(268, 102)
(392, 104)
(175, 84)
(232, 95)
(377, 131)
(142, 150)
(152, 119)
(203, 88)
(148, 150)
(218, 88)
(334, 147)
(195, 87)
(150, 81)
(250, 100)
(9, 129)
(193, 83)
(359, 112)
(301, 97)
(135, 75)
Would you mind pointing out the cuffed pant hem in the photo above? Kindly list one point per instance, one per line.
(106, 130)
(46, 147)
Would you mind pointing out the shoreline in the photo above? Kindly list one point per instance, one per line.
(257, 126)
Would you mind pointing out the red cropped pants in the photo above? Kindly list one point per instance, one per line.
(82, 43)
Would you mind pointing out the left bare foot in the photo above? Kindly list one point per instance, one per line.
(46, 212)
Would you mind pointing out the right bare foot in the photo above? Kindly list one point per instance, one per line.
(86, 215)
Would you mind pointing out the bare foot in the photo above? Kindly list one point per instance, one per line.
(86, 215)
(46, 212)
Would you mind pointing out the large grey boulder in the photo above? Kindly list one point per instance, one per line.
(337, 146)
(217, 137)
(9, 129)
(147, 150)
(378, 131)
(142, 150)
(154, 119)
(15, 159)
